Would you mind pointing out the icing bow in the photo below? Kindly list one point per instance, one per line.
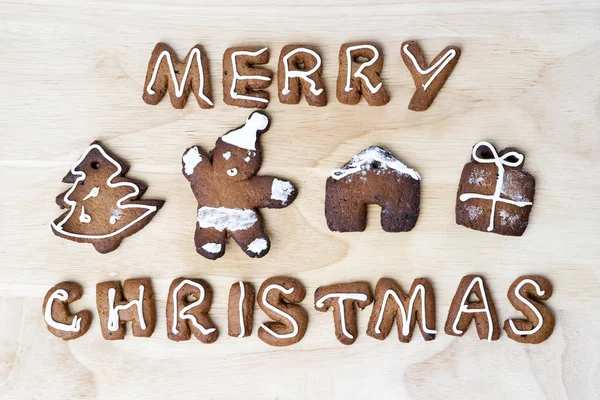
(499, 161)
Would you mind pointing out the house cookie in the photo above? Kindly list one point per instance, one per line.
(344, 298)
(374, 176)
(278, 298)
(494, 193)
(229, 193)
(103, 206)
(59, 320)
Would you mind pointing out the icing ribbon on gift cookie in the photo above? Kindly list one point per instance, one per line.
(500, 162)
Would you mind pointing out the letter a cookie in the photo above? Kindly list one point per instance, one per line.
(229, 193)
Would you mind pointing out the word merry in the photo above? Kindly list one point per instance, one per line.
(299, 72)
(189, 301)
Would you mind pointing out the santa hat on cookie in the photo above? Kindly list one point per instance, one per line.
(246, 135)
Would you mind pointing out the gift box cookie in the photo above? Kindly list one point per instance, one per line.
(494, 193)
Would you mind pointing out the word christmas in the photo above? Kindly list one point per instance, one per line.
(299, 72)
(189, 301)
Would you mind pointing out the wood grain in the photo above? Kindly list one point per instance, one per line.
(73, 72)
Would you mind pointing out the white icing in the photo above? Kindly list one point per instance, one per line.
(227, 155)
(93, 193)
(406, 314)
(441, 63)
(241, 309)
(212, 247)
(362, 162)
(474, 212)
(179, 89)
(116, 215)
(500, 163)
(464, 308)
(62, 295)
(238, 77)
(83, 217)
(113, 311)
(190, 159)
(109, 182)
(539, 292)
(232, 172)
(507, 219)
(301, 74)
(477, 177)
(182, 313)
(341, 297)
(358, 73)
(221, 218)
(281, 190)
(245, 136)
(247, 159)
(258, 245)
(279, 312)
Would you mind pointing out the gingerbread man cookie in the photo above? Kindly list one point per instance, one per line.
(229, 193)
(103, 206)
(60, 322)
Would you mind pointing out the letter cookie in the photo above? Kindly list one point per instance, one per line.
(342, 298)
(240, 312)
(59, 321)
(188, 305)
(360, 66)
(165, 72)
(416, 308)
(242, 80)
(374, 176)
(461, 312)
(103, 206)
(134, 303)
(229, 193)
(525, 294)
(299, 71)
(428, 79)
(494, 194)
(276, 298)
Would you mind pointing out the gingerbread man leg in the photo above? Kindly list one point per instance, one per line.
(253, 241)
(210, 242)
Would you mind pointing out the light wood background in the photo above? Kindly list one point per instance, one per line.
(72, 72)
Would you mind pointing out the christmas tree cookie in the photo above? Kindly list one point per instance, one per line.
(494, 194)
(229, 193)
(102, 204)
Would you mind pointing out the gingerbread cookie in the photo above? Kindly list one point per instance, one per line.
(103, 206)
(416, 308)
(242, 80)
(525, 294)
(166, 72)
(229, 193)
(494, 194)
(360, 66)
(133, 303)
(462, 311)
(277, 297)
(343, 298)
(240, 312)
(300, 69)
(188, 305)
(429, 80)
(374, 176)
(59, 320)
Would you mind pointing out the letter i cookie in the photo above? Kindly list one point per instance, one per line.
(240, 312)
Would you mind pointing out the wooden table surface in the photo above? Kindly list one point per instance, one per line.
(72, 72)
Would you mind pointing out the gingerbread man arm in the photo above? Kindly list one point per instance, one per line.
(270, 192)
(194, 162)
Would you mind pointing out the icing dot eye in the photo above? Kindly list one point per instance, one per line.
(232, 172)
